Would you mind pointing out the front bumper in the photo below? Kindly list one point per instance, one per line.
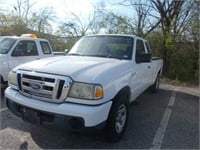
(90, 115)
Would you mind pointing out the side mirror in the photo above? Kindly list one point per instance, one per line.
(66, 51)
(143, 58)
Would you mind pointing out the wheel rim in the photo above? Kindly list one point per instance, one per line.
(121, 118)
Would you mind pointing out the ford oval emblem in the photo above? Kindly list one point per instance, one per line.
(35, 86)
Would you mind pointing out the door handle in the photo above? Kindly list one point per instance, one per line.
(149, 67)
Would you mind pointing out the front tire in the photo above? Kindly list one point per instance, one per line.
(118, 117)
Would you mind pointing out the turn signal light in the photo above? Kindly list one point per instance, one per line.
(98, 93)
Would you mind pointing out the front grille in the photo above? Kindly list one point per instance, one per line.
(48, 87)
(38, 78)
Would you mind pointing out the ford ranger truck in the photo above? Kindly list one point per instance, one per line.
(18, 50)
(92, 86)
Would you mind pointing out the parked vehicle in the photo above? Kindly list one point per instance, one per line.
(18, 50)
(90, 87)
(61, 53)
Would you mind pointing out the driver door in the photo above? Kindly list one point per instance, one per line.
(24, 51)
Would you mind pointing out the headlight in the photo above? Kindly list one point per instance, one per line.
(86, 91)
(12, 79)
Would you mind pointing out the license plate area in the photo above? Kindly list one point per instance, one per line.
(30, 115)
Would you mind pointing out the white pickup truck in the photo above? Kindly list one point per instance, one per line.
(18, 50)
(90, 87)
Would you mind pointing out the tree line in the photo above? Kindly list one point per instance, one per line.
(171, 26)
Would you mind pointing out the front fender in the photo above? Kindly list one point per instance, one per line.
(115, 86)
(4, 70)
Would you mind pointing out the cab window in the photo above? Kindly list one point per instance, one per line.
(140, 49)
(45, 47)
(25, 48)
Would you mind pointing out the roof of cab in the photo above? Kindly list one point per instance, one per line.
(125, 35)
(24, 36)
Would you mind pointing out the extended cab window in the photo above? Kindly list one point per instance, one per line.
(25, 48)
(148, 47)
(45, 47)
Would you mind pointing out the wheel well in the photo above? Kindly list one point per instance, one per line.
(159, 72)
(124, 91)
(1, 79)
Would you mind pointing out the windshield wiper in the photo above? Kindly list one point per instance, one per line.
(106, 56)
(97, 55)
(75, 54)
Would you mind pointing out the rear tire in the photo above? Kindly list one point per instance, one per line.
(155, 86)
(118, 117)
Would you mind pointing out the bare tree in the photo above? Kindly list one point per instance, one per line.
(41, 21)
(182, 20)
(79, 26)
(113, 23)
(11, 25)
(171, 16)
(169, 11)
(23, 8)
(141, 16)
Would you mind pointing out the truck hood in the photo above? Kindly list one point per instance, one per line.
(79, 68)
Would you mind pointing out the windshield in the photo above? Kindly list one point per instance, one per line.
(119, 47)
(6, 44)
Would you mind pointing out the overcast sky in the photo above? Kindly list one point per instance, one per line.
(65, 7)
(61, 7)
